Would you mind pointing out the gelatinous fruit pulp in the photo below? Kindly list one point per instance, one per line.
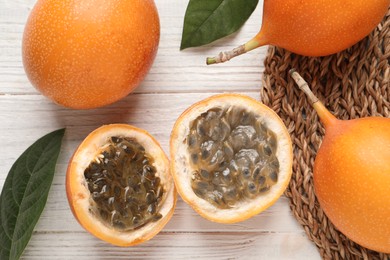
(119, 186)
(87, 54)
(352, 175)
(313, 28)
(231, 157)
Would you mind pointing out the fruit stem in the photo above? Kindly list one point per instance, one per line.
(257, 41)
(326, 117)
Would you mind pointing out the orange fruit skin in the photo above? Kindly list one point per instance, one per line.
(87, 54)
(352, 180)
(319, 27)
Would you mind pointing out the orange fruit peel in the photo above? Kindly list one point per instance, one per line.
(84, 55)
(352, 174)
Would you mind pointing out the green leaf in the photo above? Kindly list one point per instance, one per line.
(25, 192)
(209, 20)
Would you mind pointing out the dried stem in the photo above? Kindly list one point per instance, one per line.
(226, 55)
(326, 117)
(257, 41)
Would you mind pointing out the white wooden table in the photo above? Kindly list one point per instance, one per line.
(177, 80)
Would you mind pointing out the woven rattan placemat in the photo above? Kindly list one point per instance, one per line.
(353, 83)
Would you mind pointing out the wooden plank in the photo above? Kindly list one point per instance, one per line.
(175, 246)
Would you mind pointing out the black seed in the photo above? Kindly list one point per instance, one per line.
(138, 146)
(201, 131)
(198, 192)
(204, 174)
(256, 172)
(103, 214)
(201, 185)
(191, 140)
(116, 140)
(246, 173)
(96, 196)
(200, 188)
(200, 128)
(150, 197)
(261, 180)
(110, 164)
(206, 148)
(267, 150)
(216, 133)
(194, 158)
(147, 173)
(223, 164)
(211, 115)
(205, 154)
(106, 154)
(99, 182)
(128, 150)
(147, 168)
(117, 191)
(272, 140)
(137, 157)
(122, 210)
(216, 197)
(245, 118)
(90, 186)
(94, 166)
(231, 194)
(96, 175)
(88, 173)
(136, 219)
(252, 187)
(137, 187)
(142, 207)
(274, 176)
(152, 208)
(119, 224)
(145, 161)
(157, 217)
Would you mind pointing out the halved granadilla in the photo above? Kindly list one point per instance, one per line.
(119, 186)
(231, 157)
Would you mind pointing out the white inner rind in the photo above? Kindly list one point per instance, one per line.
(81, 197)
(183, 172)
